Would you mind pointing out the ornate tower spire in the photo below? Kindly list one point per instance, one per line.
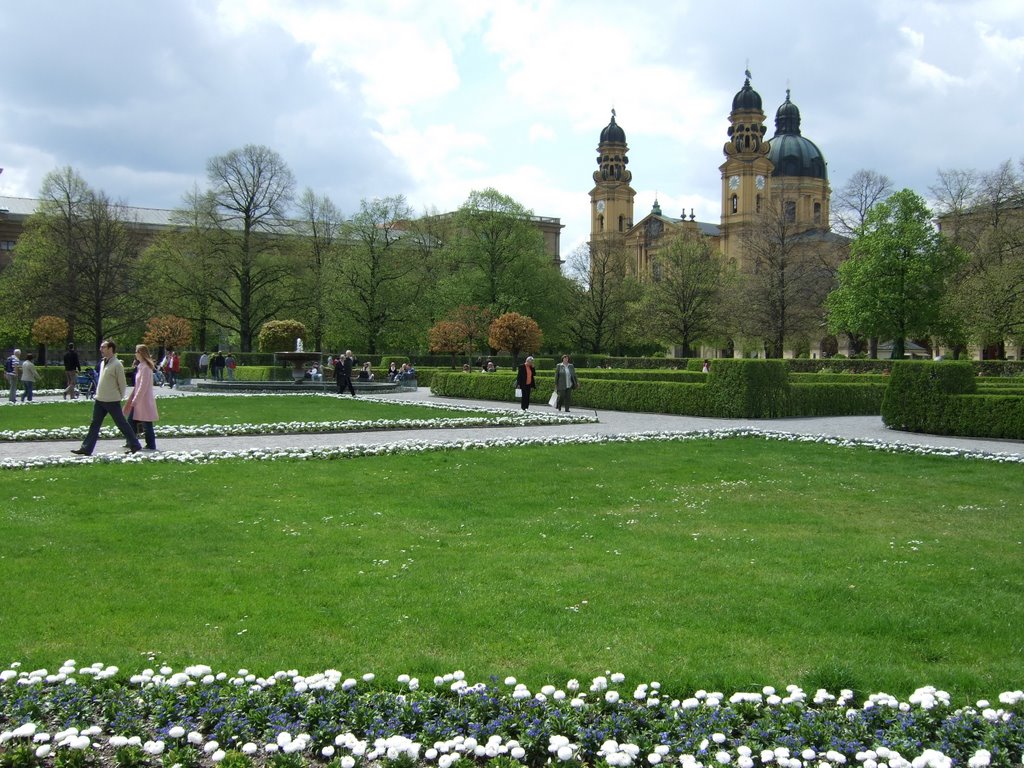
(611, 199)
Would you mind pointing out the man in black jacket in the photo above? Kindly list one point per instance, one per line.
(343, 373)
(72, 367)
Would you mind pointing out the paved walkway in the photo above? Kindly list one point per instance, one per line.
(610, 422)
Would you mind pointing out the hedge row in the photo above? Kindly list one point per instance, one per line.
(733, 389)
(940, 399)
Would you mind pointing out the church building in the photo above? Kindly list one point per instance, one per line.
(785, 175)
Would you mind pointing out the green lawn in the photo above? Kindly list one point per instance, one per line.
(725, 565)
(220, 409)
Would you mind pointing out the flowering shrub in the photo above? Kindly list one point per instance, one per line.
(77, 716)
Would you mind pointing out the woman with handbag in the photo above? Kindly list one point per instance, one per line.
(526, 380)
(565, 383)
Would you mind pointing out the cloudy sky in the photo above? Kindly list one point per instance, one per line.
(434, 98)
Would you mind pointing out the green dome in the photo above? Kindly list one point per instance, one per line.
(791, 153)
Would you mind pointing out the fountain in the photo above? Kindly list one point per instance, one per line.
(298, 359)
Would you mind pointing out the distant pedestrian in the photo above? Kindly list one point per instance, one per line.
(140, 407)
(204, 363)
(565, 383)
(217, 366)
(72, 367)
(526, 380)
(110, 392)
(707, 367)
(29, 375)
(343, 373)
(12, 369)
(230, 365)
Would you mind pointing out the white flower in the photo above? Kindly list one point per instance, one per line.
(176, 732)
(723, 757)
(612, 697)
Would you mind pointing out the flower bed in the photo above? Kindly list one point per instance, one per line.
(482, 417)
(81, 716)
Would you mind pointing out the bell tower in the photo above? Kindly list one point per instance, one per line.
(611, 199)
(746, 172)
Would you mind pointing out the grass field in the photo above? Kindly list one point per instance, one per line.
(721, 565)
(214, 409)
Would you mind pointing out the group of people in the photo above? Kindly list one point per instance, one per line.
(217, 365)
(565, 383)
(20, 368)
(139, 409)
(344, 372)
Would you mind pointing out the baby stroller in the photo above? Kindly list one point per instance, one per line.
(86, 383)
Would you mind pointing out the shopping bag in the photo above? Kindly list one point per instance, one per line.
(553, 400)
(519, 392)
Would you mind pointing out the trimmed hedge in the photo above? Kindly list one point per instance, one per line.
(682, 377)
(733, 389)
(828, 399)
(917, 393)
(940, 398)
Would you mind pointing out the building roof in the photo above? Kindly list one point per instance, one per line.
(613, 133)
(791, 153)
(18, 208)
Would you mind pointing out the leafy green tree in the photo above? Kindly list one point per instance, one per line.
(497, 257)
(319, 227)
(894, 282)
(280, 335)
(378, 286)
(77, 258)
(185, 267)
(252, 190)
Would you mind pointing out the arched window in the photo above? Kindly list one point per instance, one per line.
(790, 212)
(735, 204)
(622, 223)
(600, 223)
(817, 213)
(757, 203)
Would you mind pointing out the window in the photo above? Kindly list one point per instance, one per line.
(622, 223)
(600, 223)
(6, 245)
(757, 203)
(735, 203)
(817, 213)
(790, 212)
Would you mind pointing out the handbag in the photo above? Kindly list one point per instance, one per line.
(519, 392)
(553, 400)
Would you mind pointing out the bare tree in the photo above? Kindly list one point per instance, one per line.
(784, 281)
(981, 213)
(850, 205)
(683, 303)
(252, 189)
(603, 292)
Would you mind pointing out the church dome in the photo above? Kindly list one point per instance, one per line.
(747, 97)
(612, 133)
(791, 153)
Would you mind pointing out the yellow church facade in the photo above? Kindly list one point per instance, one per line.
(784, 176)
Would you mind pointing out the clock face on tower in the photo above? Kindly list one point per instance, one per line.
(734, 182)
(759, 181)
(600, 206)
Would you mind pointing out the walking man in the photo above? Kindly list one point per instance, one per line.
(109, 393)
(12, 370)
(343, 373)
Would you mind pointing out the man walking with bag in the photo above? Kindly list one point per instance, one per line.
(565, 383)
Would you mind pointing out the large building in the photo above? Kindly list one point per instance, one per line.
(785, 176)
